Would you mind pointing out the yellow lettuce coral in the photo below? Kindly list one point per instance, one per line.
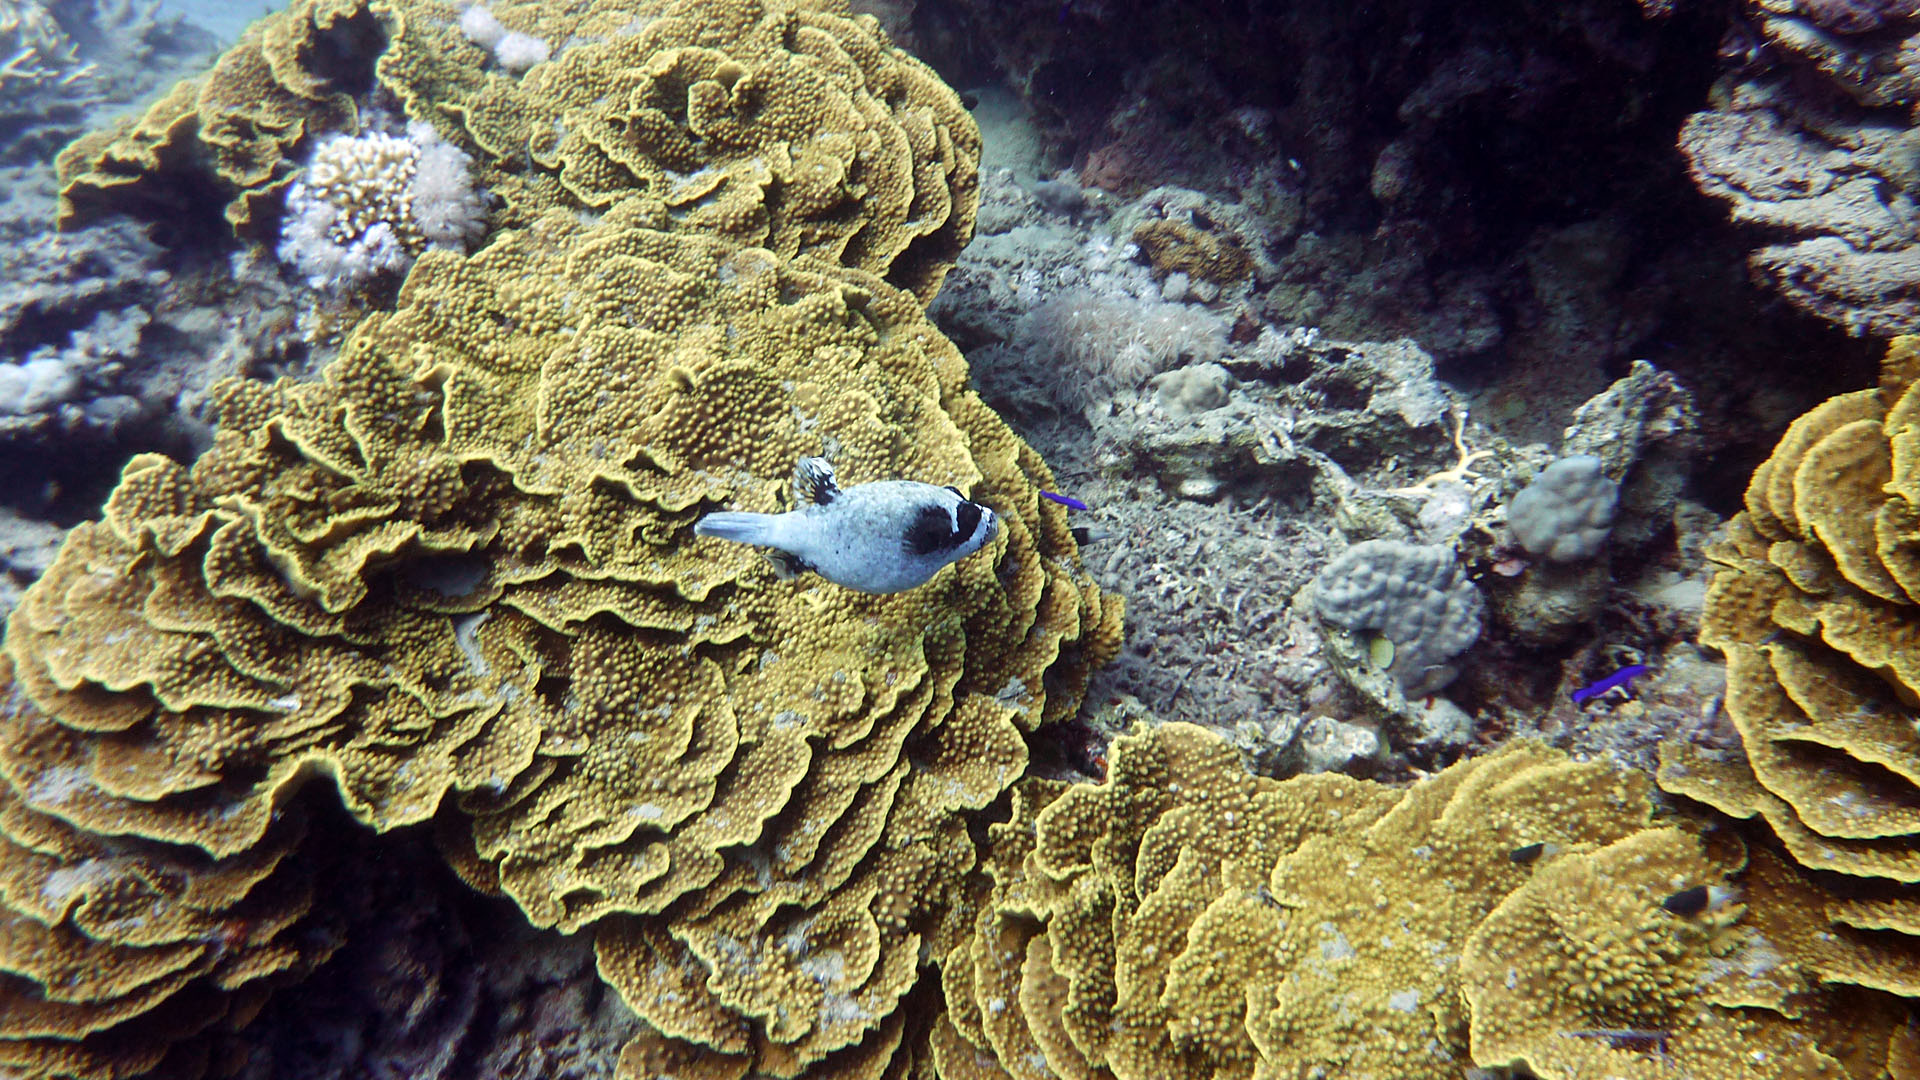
(457, 576)
(290, 78)
(1184, 919)
(116, 951)
(1816, 602)
(463, 562)
(791, 125)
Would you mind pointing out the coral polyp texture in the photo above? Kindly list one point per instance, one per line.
(1816, 603)
(1412, 596)
(231, 133)
(793, 126)
(1516, 911)
(116, 951)
(462, 564)
(455, 578)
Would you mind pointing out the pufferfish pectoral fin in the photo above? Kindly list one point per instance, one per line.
(814, 483)
(786, 565)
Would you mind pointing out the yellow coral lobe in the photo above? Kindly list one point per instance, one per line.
(1812, 605)
(454, 578)
(1185, 919)
(788, 125)
(461, 565)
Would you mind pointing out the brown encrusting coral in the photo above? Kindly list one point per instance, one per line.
(1816, 603)
(292, 78)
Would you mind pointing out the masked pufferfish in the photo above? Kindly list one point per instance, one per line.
(883, 537)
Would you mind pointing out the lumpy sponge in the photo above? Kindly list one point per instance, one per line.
(1566, 513)
(514, 50)
(1413, 595)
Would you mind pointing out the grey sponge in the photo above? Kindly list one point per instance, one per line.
(1565, 514)
(1414, 596)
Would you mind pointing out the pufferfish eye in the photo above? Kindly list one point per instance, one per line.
(966, 520)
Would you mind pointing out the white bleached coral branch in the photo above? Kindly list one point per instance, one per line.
(370, 204)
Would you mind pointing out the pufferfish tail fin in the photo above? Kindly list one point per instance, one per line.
(814, 483)
(744, 527)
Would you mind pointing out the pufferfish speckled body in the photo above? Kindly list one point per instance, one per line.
(883, 537)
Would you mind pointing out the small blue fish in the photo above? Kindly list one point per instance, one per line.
(1623, 677)
(1067, 501)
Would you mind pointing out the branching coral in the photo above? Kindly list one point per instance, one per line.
(36, 50)
(370, 204)
(115, 950)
